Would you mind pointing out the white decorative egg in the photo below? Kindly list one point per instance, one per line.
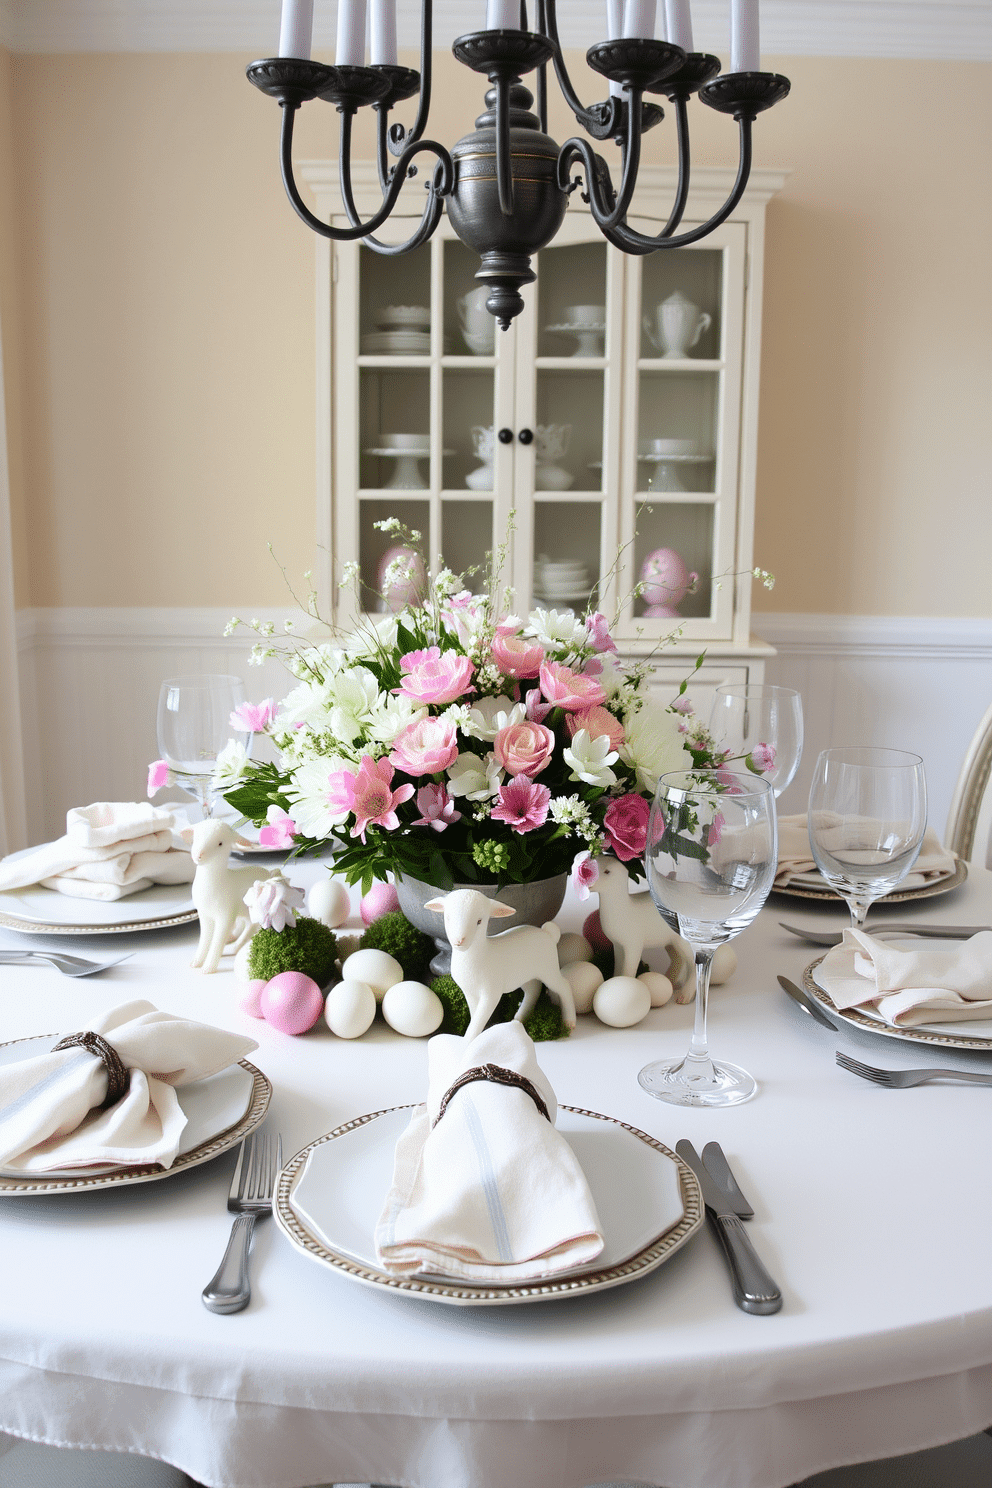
(621, 1002)
(329, 902)
(412, 1009)
(659, 987)
(724, 965)
(350, 1009)
(572, 948)
(583, 978)
(375, 967)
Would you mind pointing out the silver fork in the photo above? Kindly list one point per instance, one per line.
(74, 966)
(903, 1079)
(259, 1160)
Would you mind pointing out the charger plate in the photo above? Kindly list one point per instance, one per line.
(952, 880)
(221, 1110)
(648, 1200)
(942, 1034)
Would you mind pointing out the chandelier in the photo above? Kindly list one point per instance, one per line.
(506, 185)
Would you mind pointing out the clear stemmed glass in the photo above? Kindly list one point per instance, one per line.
(748, 714)
(711, 856)
(867, 815)
(194, 725)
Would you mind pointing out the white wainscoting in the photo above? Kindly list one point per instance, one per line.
(90, 680)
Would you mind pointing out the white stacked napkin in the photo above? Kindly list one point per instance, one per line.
(49, 1116)
(493, 1192)
(935, 982)
(796, 863)
(110, 849)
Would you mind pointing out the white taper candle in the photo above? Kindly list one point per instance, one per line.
(383, 33)
(639, 18)
(351, 33)
(503, 15)
(678, 23)
(745, 46)
(614, 30)
(296, 29)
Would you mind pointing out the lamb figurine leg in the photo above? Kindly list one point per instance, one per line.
(218, 892)
(486, 966)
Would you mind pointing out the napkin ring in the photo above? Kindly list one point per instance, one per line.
(118, 1079)
(499, 1076)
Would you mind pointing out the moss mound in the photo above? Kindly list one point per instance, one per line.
(307, 946)
(456, 1013)
(393, 933)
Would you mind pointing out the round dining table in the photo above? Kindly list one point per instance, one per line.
(872, 1210)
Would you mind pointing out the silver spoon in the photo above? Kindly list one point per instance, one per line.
(74, 966)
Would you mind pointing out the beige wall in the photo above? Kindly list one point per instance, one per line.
(165, 383)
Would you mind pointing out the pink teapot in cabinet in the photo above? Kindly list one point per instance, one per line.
(666, 582)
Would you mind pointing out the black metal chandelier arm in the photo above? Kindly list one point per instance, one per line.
(400, 138)
(631, 241)
(682, 190)
(601, 120)
(439, 187)
(504, 163)
(603, 200)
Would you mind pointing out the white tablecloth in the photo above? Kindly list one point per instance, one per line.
(873, 1209)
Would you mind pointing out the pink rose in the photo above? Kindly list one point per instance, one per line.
(522, 805)
(626, 826)
(715, 831)
(433, 676)
(437, 808)
(279, 831)
(761, 758)
(569, 690)
(253, 718)
(682, 705)
(537, 708)
(585, 874)
(374, 802)
(426, 747)
(517, 657)
(524, 748)
(598, 632)
(159, 775)
(596, 722)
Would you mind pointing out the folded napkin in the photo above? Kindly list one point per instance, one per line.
(492, 1192)
(796, 863)
(935, 982)
(50, 1114)
(110, 849)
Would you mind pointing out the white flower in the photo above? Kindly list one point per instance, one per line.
(374, 632)
(475, 778)
(457, 714)
(316, 662)
(490, 714)
(555, 628)
(591, 759)
(653, 745)
(610, 677)
(308, 791)
(391, 715)
(230, 766)
(273, 902)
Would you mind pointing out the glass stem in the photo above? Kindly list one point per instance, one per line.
(859, 908)
(698, 1057)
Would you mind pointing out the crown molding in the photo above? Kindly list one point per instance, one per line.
(927, 30)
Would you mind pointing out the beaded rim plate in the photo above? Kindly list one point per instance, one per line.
(899, 896)
(213, 1146)
(461, 1294)
(922, 1034)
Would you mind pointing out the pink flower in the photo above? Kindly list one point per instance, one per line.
(599, 635)
(374, 802)
(761, 758)
(626, 826)
(537, 708)
(279, 832)
(596, 722)
(715, 831)
(585, 873)
(517, 657)
(159, 775)
(522, 804)
(437, 808)
(341, 792)
(426, 747)
(728, 779)
(569, 690)
(524, 748)
(253, 718)
(682, 705)
(434, 677)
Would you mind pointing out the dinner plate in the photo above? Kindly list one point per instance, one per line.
(329, 1197)
(220, 1111)
(951, 880)
(39, 911)
(948, 1035)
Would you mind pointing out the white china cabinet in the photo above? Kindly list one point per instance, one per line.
(617, 414)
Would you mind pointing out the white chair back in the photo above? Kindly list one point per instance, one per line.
(969, 822)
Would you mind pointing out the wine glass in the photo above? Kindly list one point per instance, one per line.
(867, 815)
(710, 859)
(750, 715)
(194, 725)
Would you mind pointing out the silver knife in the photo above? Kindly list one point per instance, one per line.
(726, 1206)
(939, 932)
(807, 1003)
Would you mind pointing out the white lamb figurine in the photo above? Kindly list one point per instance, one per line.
(486, 966)
(218, 891)
(632, 922)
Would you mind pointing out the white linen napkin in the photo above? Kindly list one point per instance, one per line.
(936, 981)
(493, 1192)
(110, 849)
(49, 1116)
(797, 865)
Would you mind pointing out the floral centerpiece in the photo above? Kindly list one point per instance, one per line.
(456, 742)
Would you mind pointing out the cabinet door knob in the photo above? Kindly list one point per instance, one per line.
(505, 436)
(526, 436)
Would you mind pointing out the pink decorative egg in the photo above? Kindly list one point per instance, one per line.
(666, 582)
(380, 899)
(291, 1002)
(251, 1003)
(594, 932)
